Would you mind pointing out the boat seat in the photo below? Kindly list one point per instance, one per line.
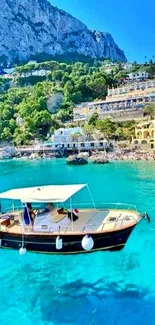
(58, 217)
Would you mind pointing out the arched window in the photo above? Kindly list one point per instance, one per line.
(146, 134)
(139, 134)
(135, 142)
(143, 142)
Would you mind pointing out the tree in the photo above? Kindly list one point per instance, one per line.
(127, 133)
(57, 75)
(6, 134)
(12, 125)
(107, 127)
(93, 119)
(42, 120)
(88, 130)
(63, 115)
(52, 129)
(119, 133)
(55, 122)
(98, 86)
(21, 137)
(149, 109)
(65, 78)
(68, 87)
(76, 97)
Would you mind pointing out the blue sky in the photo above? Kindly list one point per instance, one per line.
(131, 22)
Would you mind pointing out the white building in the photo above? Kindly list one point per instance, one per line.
(69, 135)
(32, 62)
(81, 145)
(138, 75)
(69, 146)
(9, 70)
(127, 66)
(38, 73)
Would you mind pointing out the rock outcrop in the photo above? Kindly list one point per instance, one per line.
(77, 160)
(32, 27)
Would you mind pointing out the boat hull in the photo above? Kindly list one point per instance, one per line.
(46, 243)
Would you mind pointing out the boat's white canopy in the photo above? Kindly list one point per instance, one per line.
(49, 193)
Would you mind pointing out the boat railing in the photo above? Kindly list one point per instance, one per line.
(12, 209)
(86, 205)
(106, 205)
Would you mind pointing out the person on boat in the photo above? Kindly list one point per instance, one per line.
(49, 207)
(28, 214)
(73, 216)
(31, 212)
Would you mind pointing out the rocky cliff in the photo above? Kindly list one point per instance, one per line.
(31, 27)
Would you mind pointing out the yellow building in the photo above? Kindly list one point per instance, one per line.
(145, 135)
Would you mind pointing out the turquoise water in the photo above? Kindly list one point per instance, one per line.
(99, 288)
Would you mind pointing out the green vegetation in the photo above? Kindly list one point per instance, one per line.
(148, 67)
(111, 130)
(149, 109)
(4, 84)
(79, 81)
(30, 99)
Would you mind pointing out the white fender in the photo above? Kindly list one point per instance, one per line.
(87, 242)
(59, 243)
(22, 251)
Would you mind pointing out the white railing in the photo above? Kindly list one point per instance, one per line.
(13, 209)
(106, 205)
(85, 205)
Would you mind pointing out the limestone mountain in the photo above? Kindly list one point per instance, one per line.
(33, 27)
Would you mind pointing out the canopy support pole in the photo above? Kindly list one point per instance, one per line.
(91, 197)
(71, 207)
(13, 207)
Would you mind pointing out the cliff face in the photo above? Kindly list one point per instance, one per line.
(30, 27)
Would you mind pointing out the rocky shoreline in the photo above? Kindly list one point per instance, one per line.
(97, 157)
(131, 156)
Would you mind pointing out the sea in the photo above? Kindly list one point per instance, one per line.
(110, 288)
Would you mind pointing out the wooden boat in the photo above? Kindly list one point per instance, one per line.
(65, 231)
